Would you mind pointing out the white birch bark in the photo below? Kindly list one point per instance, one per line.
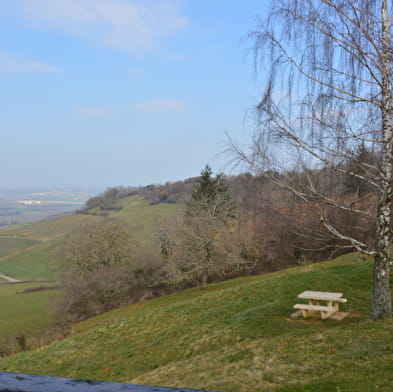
(381, 302)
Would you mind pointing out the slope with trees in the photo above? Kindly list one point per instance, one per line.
(202, 245)
(99, 267)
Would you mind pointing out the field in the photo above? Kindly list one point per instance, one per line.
(46, 229)
(22, 215)
(144, 219)
(25, 254)
(234, 336)
(32, 264)
(10, 245)
(27, 247)
(20, 311)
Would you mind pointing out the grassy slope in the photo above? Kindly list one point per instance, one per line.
(143, 218)
(26, 249)
(234, 336)
(25, 254)
(47, 229)
(31, 264)
(20, 311)
(10, 245)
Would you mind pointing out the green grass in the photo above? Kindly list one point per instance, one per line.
(234, 336)
(25, 253)
(47, 229)
(144, 219)
(32, 264)
(25, 249)
(23, 312)
(11, 245)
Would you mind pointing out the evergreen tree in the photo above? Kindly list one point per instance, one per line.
(211, 196)
(203, 241)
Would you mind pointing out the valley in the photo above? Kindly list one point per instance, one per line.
(19, 206)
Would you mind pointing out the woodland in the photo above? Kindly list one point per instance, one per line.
(229, 226)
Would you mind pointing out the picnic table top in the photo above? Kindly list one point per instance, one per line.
(320, 295)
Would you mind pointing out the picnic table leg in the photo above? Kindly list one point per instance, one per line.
(325, 315)
(308, 313)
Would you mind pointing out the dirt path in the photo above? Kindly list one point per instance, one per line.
(12, 280)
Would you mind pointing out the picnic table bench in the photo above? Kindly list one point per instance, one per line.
(329, 307)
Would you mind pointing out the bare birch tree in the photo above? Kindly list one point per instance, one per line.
(328, 73)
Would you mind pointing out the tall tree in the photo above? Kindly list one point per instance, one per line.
(328, 68)
(210, 195)
(202, 246)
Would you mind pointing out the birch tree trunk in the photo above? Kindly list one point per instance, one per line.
(381, 302)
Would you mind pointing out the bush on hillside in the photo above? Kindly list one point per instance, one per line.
(100, 267)
(202, 248)
(105, 200)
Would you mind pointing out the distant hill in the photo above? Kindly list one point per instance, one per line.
(25, 248)
(233, 336)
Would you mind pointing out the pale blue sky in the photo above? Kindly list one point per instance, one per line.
(121, 92)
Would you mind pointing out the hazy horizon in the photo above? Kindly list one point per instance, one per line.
(122, 92)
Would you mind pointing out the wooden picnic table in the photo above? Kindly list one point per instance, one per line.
(329, 307)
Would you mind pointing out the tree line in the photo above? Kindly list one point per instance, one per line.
(230, 226)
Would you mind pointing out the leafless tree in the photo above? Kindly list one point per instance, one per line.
(202, 245)
(102, 243)
(328, 71)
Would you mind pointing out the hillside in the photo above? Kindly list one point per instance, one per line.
(25, 255)
(233, 336)
(22, 311)
(143, 217)
(25, 248)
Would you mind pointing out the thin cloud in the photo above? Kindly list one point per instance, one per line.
(135, 71)
(136, 26)
(159, 106)
(95, 110)
(14, 64)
